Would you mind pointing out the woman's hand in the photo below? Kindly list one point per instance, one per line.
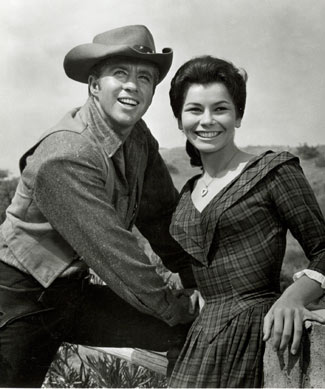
(288, 313)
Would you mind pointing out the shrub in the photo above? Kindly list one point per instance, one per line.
(72, 370)
(7, 191)
(307, 152)
(4, 173)
(320, 160)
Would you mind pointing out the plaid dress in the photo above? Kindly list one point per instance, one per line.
(237, 244)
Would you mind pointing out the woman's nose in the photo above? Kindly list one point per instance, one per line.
(207, 119)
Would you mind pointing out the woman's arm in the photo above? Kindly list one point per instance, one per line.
(297, 208)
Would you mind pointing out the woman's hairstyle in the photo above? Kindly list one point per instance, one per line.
(207, 70)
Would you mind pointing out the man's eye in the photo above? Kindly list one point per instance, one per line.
(120, 72)
(145, 78)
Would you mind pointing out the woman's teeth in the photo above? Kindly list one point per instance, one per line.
(208, 134)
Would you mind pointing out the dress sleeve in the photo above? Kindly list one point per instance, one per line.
(297, 207)
(312, 274)
(158, 202)
(71, 194)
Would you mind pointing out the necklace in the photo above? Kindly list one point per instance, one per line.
(205, 190)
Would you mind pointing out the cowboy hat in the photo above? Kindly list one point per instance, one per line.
(129, 41)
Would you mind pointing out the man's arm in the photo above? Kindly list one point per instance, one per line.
(158, 202)
(71, 194)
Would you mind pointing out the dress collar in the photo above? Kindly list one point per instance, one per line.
(195, 231)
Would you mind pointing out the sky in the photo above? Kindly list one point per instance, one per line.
(280, 43)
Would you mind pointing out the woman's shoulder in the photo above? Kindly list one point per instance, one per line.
(270, 159)
(266, 164)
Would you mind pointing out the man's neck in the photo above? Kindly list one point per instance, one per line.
(121, 131)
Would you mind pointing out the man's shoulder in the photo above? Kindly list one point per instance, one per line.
(65, 142)
(73, 121)
(63, 139)
(141, 127)
(142, 133)
(59, 148)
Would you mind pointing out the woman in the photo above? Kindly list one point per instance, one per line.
(233, 220)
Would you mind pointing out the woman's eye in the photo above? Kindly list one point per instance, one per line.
(219, 109)
(193, 109)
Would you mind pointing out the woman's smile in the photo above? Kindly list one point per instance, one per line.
(208, 134)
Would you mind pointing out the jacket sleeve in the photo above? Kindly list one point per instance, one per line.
(70, 192)
(158, 202)
(297, 207)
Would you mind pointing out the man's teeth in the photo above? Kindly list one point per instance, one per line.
(208, 134)
(128, 101)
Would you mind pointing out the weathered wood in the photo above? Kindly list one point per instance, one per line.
(151, 360)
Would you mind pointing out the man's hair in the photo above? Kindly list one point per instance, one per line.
(97, 70)
(206, 70)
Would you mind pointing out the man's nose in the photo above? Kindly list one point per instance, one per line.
(131, 84)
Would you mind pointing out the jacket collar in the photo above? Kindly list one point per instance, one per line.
(99, 128)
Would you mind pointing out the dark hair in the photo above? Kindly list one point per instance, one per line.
(206, 70)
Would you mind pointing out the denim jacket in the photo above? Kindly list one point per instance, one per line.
(80, 193)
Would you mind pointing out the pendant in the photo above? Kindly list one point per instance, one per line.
(204, 191)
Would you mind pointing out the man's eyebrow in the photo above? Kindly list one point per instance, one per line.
(147, 70)
(119, 66)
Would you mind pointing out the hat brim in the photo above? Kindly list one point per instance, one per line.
(79, 61)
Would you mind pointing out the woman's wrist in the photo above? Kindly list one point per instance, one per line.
(304, 290)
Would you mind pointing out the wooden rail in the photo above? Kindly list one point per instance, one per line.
(151, 360)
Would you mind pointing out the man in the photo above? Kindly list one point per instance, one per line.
(83, 187)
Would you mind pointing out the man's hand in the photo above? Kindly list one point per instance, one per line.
(185, 305)
(195, 300)
(286, 317)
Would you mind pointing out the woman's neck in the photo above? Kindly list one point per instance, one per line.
(219, 163)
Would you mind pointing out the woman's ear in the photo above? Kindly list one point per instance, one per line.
(238, 122)
(180, 126)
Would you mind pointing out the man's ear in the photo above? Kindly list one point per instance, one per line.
(179, 123)
(93, 86)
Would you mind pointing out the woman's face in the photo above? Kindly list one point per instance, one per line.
(208, 117)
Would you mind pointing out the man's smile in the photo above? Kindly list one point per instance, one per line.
(128, 101)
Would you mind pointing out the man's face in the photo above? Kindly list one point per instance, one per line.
(123, 91)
